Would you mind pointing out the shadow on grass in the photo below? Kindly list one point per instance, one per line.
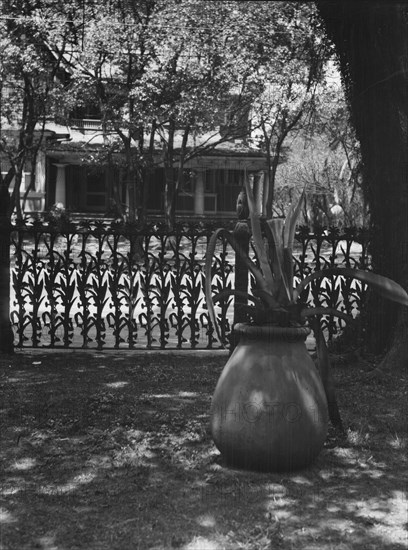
(112, 452)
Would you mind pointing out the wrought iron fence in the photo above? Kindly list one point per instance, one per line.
(94, 284)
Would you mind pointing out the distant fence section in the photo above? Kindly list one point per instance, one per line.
(109, 286)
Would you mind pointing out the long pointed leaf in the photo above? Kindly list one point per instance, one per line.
(323, 362)
(260, 281)
(224, 294)
(288, 239)
(257, 237)
(291, 221)
(383, 285)
(276, 228)
(207, 271)
(288, 271)
(251, 311)
(312, 311)
(274, 260)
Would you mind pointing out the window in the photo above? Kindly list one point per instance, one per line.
(87, 112)
(228, 184)
(95, 195)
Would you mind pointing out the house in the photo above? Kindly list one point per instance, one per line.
(69, 168)
(66, 174)
(68, 171)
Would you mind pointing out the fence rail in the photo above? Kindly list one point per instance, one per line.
(98, 285)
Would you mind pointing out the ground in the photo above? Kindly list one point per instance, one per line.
(111, 451)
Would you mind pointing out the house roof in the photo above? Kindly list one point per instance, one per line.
(206, 149)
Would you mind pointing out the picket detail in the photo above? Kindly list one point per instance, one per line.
(107, 285)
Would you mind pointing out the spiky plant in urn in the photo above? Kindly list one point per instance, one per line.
(271, 406)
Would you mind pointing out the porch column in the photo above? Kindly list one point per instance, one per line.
(40, 175)
(265, 190)
(60, 185)
(261, 192)
(199, 193)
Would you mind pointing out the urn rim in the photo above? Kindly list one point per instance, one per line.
(272, 331)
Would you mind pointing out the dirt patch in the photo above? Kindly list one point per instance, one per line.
(111, 451)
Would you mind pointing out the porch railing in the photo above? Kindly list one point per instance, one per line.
(86, 124)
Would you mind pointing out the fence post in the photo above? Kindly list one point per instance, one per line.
(242, 235)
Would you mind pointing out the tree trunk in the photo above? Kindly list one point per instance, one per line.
(6, 333)
(170, 182)
(131, 189)
(371, 39)
(169, 198)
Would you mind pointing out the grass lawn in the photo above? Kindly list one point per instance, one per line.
(105, 451)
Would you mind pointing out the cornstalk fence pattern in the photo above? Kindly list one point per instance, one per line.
(104, 285)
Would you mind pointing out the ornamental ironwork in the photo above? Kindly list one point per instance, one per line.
(104, 285)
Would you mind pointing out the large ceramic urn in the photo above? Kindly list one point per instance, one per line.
(269, 410)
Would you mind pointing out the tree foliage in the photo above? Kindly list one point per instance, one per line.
(30, 89)
(159, 73)
(291, 66)
(167, 73)
(163, 73)
(325, 157)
